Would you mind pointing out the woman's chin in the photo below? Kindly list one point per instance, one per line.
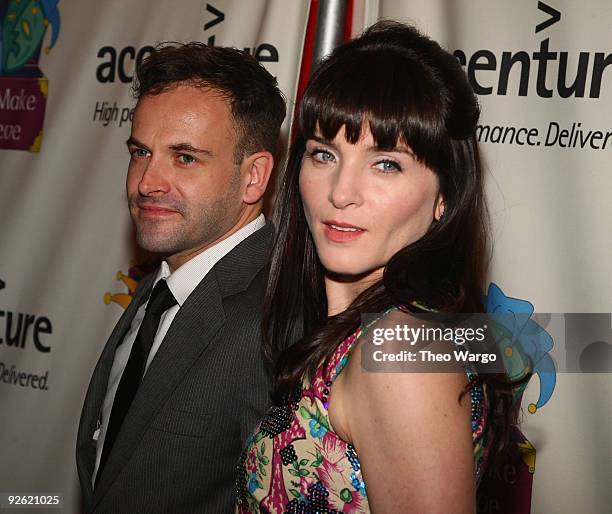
(351, 272)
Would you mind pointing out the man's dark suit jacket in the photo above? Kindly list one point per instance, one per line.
(200, 398)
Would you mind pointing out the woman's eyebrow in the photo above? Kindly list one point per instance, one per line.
(396, 149)
(322, 140)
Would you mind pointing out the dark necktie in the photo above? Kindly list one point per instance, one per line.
(160, 301)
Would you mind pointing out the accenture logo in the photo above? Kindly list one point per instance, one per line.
(489, 73)
(23, 330)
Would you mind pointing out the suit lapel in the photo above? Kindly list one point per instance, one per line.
(86, 453)
(193, 329)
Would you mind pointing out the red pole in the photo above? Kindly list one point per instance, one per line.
(309, 40)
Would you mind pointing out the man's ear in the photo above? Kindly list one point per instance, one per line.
(256, 170)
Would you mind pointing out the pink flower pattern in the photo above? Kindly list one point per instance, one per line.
(296, 463)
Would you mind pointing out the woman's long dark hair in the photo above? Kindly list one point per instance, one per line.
(406, 89)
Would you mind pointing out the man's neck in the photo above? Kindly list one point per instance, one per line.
(175, 261)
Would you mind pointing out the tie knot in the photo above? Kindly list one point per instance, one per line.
(161, 298)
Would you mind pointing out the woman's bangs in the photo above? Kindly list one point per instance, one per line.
(394, 95)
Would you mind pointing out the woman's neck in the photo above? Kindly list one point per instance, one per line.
(341, 290)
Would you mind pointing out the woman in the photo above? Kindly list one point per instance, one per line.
(382, 206)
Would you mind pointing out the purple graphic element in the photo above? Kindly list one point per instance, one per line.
(23, 86)
(508, 489)
(22, 106)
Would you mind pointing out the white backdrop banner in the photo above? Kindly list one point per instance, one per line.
(543, 73)
(65, 114)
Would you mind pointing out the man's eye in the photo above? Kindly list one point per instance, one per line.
(322, 155)
(186, 158)
(388, 166)
(139, 153)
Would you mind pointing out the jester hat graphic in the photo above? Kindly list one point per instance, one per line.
(525, 344)
(23, 29)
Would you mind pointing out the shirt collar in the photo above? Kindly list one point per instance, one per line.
(184, 279)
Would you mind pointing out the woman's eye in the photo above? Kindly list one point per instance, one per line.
(388, 166)
(322, 155)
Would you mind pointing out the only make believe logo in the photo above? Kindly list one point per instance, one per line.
(525, 344)
(135, 274)
(525, 349)
(23, 87)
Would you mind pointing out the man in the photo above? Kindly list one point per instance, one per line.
(181, 382)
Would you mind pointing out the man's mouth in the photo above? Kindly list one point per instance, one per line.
(155, 210)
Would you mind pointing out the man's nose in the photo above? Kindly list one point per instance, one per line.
(154, 179)
(345, 187)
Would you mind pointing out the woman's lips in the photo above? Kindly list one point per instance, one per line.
(339, 232)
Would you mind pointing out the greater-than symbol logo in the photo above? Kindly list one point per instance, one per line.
(219, 17)
(555, 16)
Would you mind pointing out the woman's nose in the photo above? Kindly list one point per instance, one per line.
(345, 188)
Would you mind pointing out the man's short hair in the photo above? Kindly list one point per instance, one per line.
(256, 103)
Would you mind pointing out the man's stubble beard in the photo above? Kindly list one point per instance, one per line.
(192, 230)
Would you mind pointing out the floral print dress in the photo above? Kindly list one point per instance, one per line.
(294, 463)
